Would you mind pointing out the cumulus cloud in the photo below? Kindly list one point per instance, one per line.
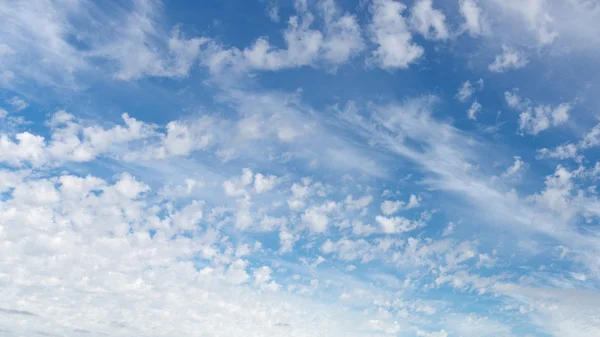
(428, 21)
(389, 207)
(517, 166)
(573, 150)
(389, 31)
(17, 103)
(534, 119)
(466, 90)
(510, 59)
(475, 23)
(474, 110)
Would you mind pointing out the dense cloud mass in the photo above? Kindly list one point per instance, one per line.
(419, 168)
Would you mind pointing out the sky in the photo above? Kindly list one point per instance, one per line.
(421, 168)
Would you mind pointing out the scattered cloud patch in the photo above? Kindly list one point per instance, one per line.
(510, 59)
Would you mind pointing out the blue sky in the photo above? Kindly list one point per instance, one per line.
(299, 168)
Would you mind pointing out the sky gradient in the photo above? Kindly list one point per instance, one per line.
(299, 168)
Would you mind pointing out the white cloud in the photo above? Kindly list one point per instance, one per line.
(236, 187)
(441, 333)
(429, 22)
(273, 11)
(343, 38)
(517, 166)
(317, 217)
(389, 31)
(475, 22)
(181, 138)
(25, 148)
(302, 47)
(539, 118)
(560, 152)
(389, 207)
(17, 103)
(358, 204)
(286, 241)
(535, 119)
(510, 59)
(398, 224)
(262, 278)
(473, 325)
(6, 77)
(6, 50)
(474, 110)
(449, 229)
(535, 14)
(340, 40)
(573, 151)
(513, 100)
(131, 41)
(466, 90)
(138, 256)
(264, 183)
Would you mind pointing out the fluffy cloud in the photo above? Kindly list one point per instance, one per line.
(475, 23)
(510, 59)
(535, 119)
(474, 110)
(389, 207)
(389, 31)
(573, 151)
(428, 21)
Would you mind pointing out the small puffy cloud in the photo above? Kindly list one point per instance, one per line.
(303, 46)
(473, 110)
(517, 166)
(262, 279)
(339, 41)
(429, 22)
(389, 207)
(316, 218)
(264, 183)
(236, 187)
(342, 36)
(26, 147)
(273, 11)
(358, 204)
(181, 138)
(535, 15)
(513, 99)
(475, 23)
(534, 119)
(486, 261)
(17, 103)
(188, 217)
(388, 30)
(449, 229)
(510, 59)
(72, 140)
(466, 90)
(573, 151)
(537, 119)
(397, 224)
(286, 241)
(441, 333)
(566, 151)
